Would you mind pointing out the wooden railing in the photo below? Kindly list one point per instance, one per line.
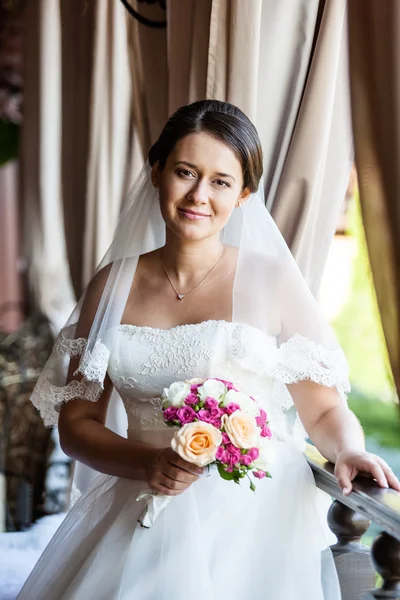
(349, 518)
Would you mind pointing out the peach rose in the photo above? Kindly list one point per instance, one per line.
(242, 429)
(197, 443)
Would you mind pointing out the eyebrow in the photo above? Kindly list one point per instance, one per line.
(192, 166)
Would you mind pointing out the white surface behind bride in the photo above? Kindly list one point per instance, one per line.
(197, 283)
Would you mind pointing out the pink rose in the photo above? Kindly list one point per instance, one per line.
(246, 460)
(204, 415)
(211, 403)
(216, 422)
(170, 413)
(231, 408)
(186, 414)
(254, 453)
(191, 399)
(222, 455)
(266, 432)
(262, 418)
(195, 387)
(234, 454)
(228, 384)
(225, 439)
(259, 474)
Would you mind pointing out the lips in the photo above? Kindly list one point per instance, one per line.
(192, 214)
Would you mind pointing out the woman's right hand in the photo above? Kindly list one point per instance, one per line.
(170, 474)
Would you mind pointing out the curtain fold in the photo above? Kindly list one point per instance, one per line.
(375, 89)
(77, 30)
(317, 166)
(41, 189)
(11, 309)
(109, 132)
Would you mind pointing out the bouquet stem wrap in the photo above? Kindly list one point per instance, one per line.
(154, 506)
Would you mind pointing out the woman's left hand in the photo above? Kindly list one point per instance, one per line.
(351, 463)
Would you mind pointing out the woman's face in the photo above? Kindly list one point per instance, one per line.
(199, 187)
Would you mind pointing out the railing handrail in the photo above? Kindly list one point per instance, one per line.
(382, 506)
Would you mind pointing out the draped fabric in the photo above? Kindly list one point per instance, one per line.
(78, 144)
(11, 310)
(44, 239)
(375, 87)
(316, 171)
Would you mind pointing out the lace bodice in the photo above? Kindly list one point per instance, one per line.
(145, 360)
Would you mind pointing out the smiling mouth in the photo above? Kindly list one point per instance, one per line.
(191, 214)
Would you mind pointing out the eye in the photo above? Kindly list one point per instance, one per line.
(185, 173)
(222, 183)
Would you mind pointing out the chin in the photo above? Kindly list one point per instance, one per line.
(192, 233)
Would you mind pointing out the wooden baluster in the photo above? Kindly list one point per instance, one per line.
(385, 553)
(352, 559)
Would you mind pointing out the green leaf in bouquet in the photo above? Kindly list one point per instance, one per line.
(224, 474)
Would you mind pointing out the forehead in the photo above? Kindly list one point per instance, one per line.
(207, 153)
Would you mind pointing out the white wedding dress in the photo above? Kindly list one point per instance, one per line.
(217, 540)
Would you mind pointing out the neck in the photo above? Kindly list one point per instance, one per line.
(187, 261)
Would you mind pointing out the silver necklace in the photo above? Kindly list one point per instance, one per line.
(181, 296)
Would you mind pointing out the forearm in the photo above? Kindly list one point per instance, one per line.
(91, 443)
(338, 429)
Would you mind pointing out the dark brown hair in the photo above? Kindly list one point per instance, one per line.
(226, 123)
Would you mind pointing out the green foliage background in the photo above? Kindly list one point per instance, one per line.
(358, 328)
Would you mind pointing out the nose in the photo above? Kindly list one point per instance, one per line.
(198, 193)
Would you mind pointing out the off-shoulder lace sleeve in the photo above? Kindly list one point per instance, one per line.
(51, 389)
(300, 358)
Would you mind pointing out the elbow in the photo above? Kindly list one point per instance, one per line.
(69, 435)
(66, 439)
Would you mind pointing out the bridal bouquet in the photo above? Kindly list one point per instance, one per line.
(218, 426)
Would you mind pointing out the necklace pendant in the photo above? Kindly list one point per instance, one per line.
(180, 296)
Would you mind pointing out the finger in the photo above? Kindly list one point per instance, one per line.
(391, 478)
(161, 489)
(342, 474)
(164, 485)
(172, 484)
(376, 471)
(177, 461)
(180, 475)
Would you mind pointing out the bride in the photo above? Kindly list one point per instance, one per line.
(198, 283)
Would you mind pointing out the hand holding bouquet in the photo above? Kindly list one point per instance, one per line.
(218, 425)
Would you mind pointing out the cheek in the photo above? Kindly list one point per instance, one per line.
(224, 207)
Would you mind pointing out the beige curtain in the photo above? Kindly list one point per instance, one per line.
(109, 127)
(11, 309)
(316, 169)
(44, 239)
(374, 36)
(284, 63)
(79, 149)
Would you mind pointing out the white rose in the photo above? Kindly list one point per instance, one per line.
(176, 393)
(197, 443)
(242, 429)
(267, 454)
(246, 404)
(213, 388)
